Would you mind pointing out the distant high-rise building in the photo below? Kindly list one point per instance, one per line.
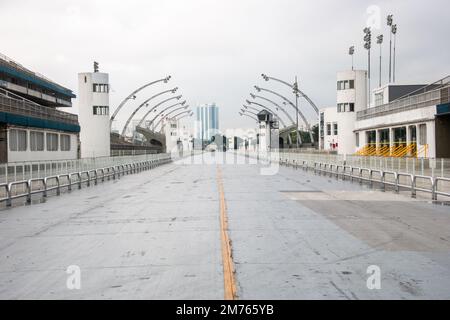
(207, 124)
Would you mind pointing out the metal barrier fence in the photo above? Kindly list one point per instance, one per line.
(14, 171)
(79, 172)
(435, 185)
(421, 166)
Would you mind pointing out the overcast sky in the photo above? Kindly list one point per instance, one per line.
(216, 50)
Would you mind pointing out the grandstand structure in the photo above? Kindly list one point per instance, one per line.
(31, 126)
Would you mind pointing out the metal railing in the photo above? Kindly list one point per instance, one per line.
(354, 170)
(421, 100)
(12, 103)
(15, 171)
(42, 185)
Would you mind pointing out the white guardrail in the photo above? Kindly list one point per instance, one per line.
(434, 185)
(79, 172)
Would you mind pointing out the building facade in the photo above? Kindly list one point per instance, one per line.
(93, 105)
(400, 121)
(31, 126)
(207, 121)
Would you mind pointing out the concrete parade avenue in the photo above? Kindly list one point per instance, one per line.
(195, 230)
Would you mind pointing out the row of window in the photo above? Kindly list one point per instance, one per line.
(98, 87)
(346, 107)
(18, 141)
(384, 135)
(100, 110)
(335, 128)
(346, 84)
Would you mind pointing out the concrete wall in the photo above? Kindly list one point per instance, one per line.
(346, 120)
(95, 129)
(28, 155)
(330, 116)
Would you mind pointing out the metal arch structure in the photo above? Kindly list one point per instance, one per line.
(164, 110)
(259, 89)
(133, 95)
(247, 115)
(265, 108)
(187, 111)
(142, 104)
(166, 115)
(244, 111)
(186, 115)
(148, 112)
(308, 126)
(254, 96)
(296, 89)
(268, 109)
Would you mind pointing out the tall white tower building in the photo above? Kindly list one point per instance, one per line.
(93, 104)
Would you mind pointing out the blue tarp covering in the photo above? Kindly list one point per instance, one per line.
(25, 121)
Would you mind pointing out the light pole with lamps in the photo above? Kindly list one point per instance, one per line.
(380, 41)
(389, 22)
(368, 46)
(394, 32)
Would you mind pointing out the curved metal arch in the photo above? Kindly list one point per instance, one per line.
(165, 115)
(132, 95)
(288, 101)
(187, 111)
(244, 110)
(186, 115)
(268, 109)
(142, 104)
(296, 89)
(265, 108)
(254, 96)
(148, 112)
(247, 115)
(164, 110)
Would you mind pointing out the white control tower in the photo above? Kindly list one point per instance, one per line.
(93, 105)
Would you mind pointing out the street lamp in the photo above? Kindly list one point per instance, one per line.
(145, 103)
(132, 96)
(149, 111)
(394, 32)
(380, 41)
(390, 21)
(351, 51)
(368, 46)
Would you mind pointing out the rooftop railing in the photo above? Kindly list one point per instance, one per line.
(15, 104)
(433, 94)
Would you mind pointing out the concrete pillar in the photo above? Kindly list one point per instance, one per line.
(377, 138)
(391, 138)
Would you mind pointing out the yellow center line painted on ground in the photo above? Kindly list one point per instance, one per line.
(227, 258)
